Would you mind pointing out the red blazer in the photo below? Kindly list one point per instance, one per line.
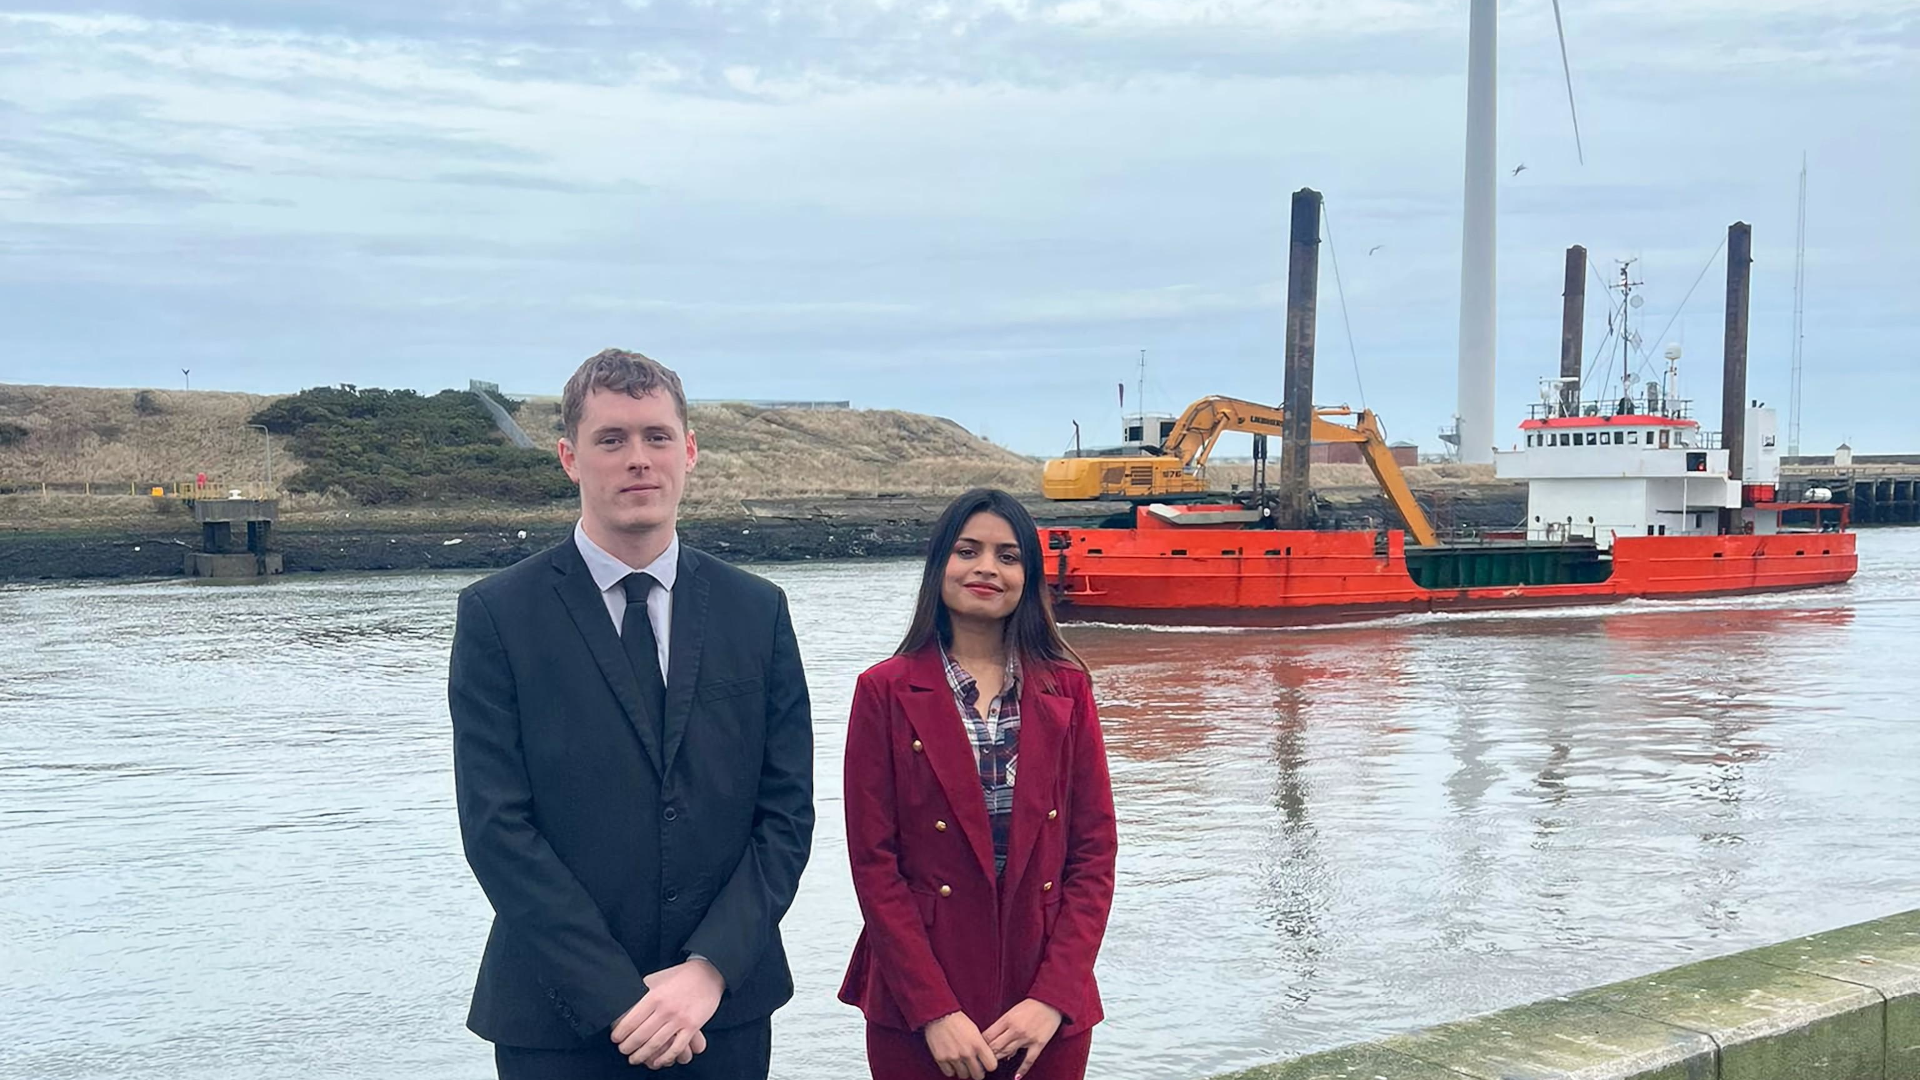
(939, 938)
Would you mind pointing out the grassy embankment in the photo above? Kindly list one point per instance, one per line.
(73, 459)
(76, 458)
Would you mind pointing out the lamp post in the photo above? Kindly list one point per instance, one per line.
(269, 437)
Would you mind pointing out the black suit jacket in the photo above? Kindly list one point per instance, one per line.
(606, 855)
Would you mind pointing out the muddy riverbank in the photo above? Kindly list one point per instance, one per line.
(154, 545)
(762, 531)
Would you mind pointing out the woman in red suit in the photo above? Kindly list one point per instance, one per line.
(980, 821)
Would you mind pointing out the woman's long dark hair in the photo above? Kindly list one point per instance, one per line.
(1031, 632)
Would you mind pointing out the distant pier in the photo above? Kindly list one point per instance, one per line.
(1879, 489)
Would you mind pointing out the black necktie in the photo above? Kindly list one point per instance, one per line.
(636, 635)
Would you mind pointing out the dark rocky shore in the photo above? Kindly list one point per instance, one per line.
(765, 531)
(158, 552)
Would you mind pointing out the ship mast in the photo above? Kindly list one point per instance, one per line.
(1140, 395)
(1629, 340)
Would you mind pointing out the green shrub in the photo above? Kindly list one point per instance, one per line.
(12, 434)
(399, 446)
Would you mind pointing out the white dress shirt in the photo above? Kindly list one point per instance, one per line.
(608, 573)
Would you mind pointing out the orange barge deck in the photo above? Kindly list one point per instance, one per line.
(1201, 576)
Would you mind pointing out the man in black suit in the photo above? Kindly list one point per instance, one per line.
(633, 759)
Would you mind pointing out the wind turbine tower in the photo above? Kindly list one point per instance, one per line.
(1474, 427)
(1475, 403)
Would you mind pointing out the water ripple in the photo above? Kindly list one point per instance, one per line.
(227, 833)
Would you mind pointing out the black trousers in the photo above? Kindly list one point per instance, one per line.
(736, 1053)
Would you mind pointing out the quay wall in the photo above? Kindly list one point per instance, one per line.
(1839, 1005)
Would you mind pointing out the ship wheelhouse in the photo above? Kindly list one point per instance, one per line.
(1605, 471)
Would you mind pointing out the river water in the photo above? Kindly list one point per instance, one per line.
(228, 847)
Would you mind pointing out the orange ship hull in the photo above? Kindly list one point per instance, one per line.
(1241, 577)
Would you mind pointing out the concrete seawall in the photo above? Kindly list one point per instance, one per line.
(1841, 1005)
(502, 419)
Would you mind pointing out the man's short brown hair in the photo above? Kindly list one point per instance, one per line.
(620, 372)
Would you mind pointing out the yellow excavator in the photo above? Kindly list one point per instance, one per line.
(1174, 467)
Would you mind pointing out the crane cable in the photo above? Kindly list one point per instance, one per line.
(1646, 358)
(1683, 301)
(1326, 218)
(1593, 365)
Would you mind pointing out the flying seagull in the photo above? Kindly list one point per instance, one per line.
(1520, 168)
(1375, 248)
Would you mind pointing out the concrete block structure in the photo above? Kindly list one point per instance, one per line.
(221, 555)
(1839, 1005)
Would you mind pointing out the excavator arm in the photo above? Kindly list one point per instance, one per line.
(1199, 428)
(1193, 436)
(1386, 472)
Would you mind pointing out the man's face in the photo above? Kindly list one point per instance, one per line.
(631, 460)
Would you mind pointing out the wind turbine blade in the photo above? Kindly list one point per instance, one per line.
(1567, 70)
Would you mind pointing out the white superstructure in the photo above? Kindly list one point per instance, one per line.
(1634, 469)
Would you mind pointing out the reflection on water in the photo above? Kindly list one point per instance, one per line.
(227, 835)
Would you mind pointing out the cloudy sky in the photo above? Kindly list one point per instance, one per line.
(977, 208)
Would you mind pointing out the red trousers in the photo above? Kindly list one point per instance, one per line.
(903, 1055)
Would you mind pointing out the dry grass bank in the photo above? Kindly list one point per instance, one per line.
(748, 452)
(122, 441)
(67, 435)
(71, 436)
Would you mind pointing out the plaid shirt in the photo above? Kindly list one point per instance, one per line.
(996, 744)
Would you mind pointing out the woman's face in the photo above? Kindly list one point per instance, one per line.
(984, 577)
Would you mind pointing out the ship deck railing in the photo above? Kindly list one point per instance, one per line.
(1672, 409)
